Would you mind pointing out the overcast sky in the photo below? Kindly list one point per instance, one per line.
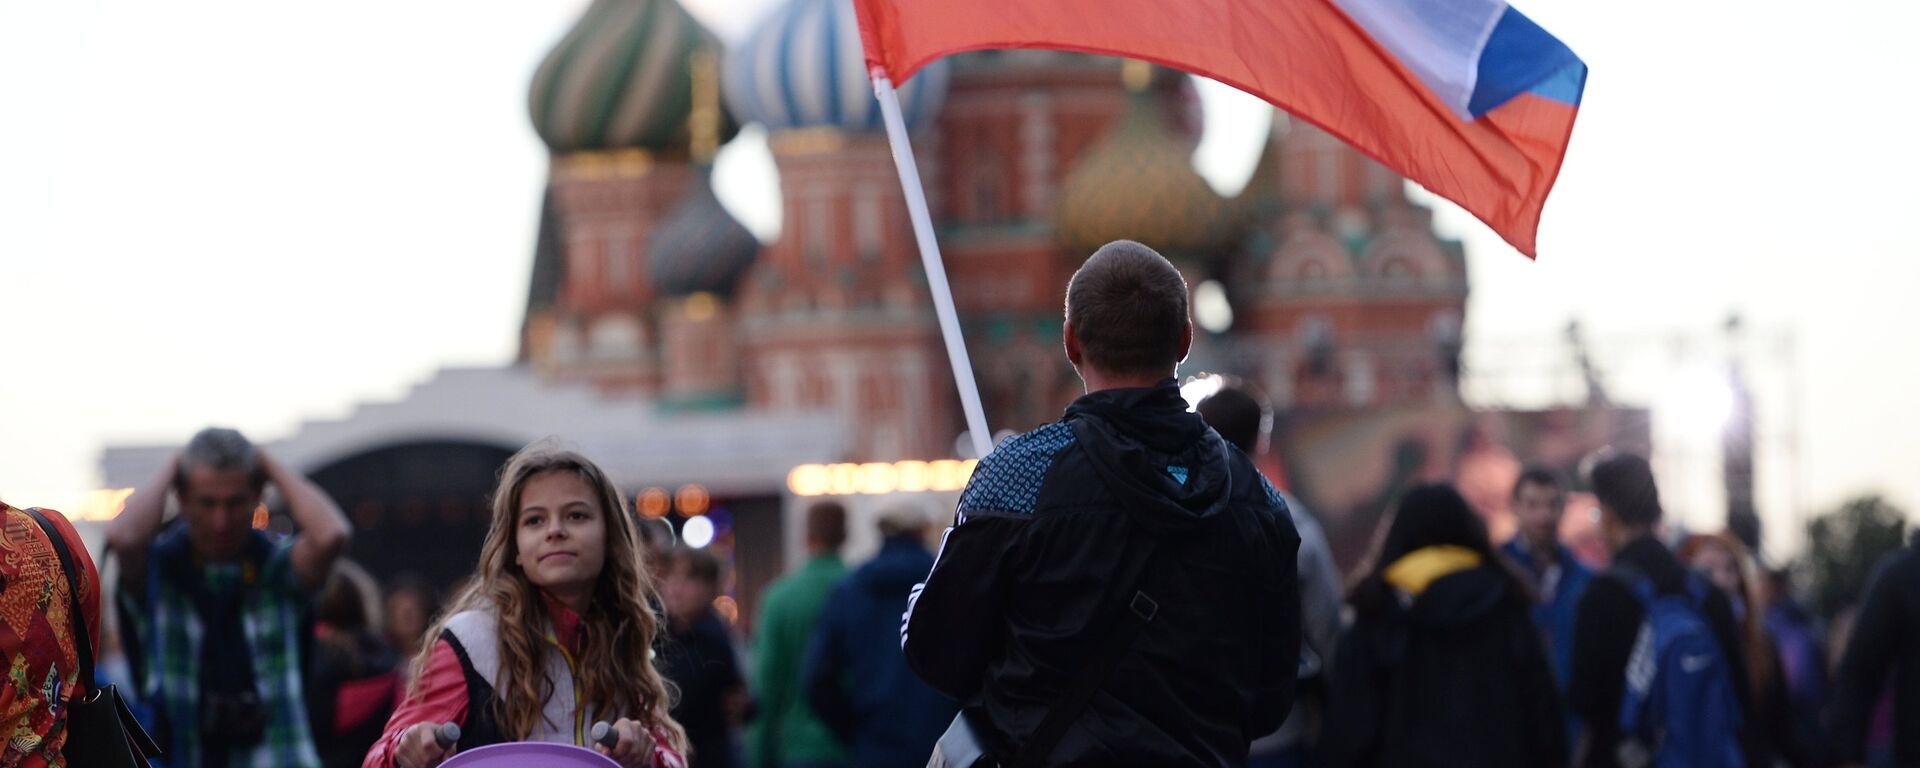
(227, 211)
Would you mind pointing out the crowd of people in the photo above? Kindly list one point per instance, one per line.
(1120, 587)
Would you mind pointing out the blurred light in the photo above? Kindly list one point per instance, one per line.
(912, 475)
(949, 475)
(880, 478)
(1200, 388)
(966, 473)
(727, 609)
(1211, 310)
(692, 500)
(698, 532)
(808, 480)
(941, 474)
(260, 517)
(101, 505)
(653, 503)
(845, 479)
(1701, 400)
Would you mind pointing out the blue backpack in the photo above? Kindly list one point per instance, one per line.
(1679, 709)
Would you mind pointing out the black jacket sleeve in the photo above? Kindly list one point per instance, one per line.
(1546, 726)
(953, 624)
(1280, 605)
(1865, 668)
(1603, 633)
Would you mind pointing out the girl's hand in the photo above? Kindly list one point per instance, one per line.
(634, 748)
(419, 749)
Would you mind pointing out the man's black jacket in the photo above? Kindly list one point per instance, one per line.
(1457, 677)
(1603, 636)
(1027, 583)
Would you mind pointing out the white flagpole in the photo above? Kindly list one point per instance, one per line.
(930, 258)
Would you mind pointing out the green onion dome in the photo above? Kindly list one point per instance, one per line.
(622, 78)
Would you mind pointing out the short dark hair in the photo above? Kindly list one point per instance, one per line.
(827, 525)
(221, 449)
(1624, 483)
(1541, 476)
(1128, 306)
(1239, 414)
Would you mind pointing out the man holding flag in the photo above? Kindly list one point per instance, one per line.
(1119, 586)
(1092, 604)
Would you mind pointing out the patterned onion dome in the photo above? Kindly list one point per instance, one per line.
(803, 67)
(699, 246)
(1138, 183)
(622, 78)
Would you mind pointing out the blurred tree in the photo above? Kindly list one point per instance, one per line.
(1843, 546)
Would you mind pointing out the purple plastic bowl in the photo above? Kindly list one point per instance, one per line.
(529, 754)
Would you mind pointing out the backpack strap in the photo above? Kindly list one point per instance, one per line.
(82, 639)
(1121, 631)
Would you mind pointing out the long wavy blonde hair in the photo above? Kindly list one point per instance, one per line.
(616, 673)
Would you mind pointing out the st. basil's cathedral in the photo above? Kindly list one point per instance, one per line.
(710, 372)
(644, 287)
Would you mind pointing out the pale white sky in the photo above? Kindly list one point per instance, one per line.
(224, 211)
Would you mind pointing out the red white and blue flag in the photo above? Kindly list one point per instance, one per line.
(1469, 98)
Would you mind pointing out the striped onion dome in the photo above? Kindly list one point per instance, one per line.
(803, 67)
(1138, 183)
(622, 78)
(699, 246)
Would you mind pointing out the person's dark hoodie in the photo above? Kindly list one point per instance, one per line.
(1029, 581)
(856, 677)
(1456, 677)
(1884, 652)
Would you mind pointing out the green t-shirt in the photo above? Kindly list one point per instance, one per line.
(786, 730)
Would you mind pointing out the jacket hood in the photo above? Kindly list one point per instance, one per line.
(1168, 467)
(1416, 570)
(1460, 597)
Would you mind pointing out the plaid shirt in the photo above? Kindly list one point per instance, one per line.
(171, 631)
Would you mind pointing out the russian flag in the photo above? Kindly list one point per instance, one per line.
(1469, 98)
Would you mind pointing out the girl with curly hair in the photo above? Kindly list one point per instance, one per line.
(552, 633)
